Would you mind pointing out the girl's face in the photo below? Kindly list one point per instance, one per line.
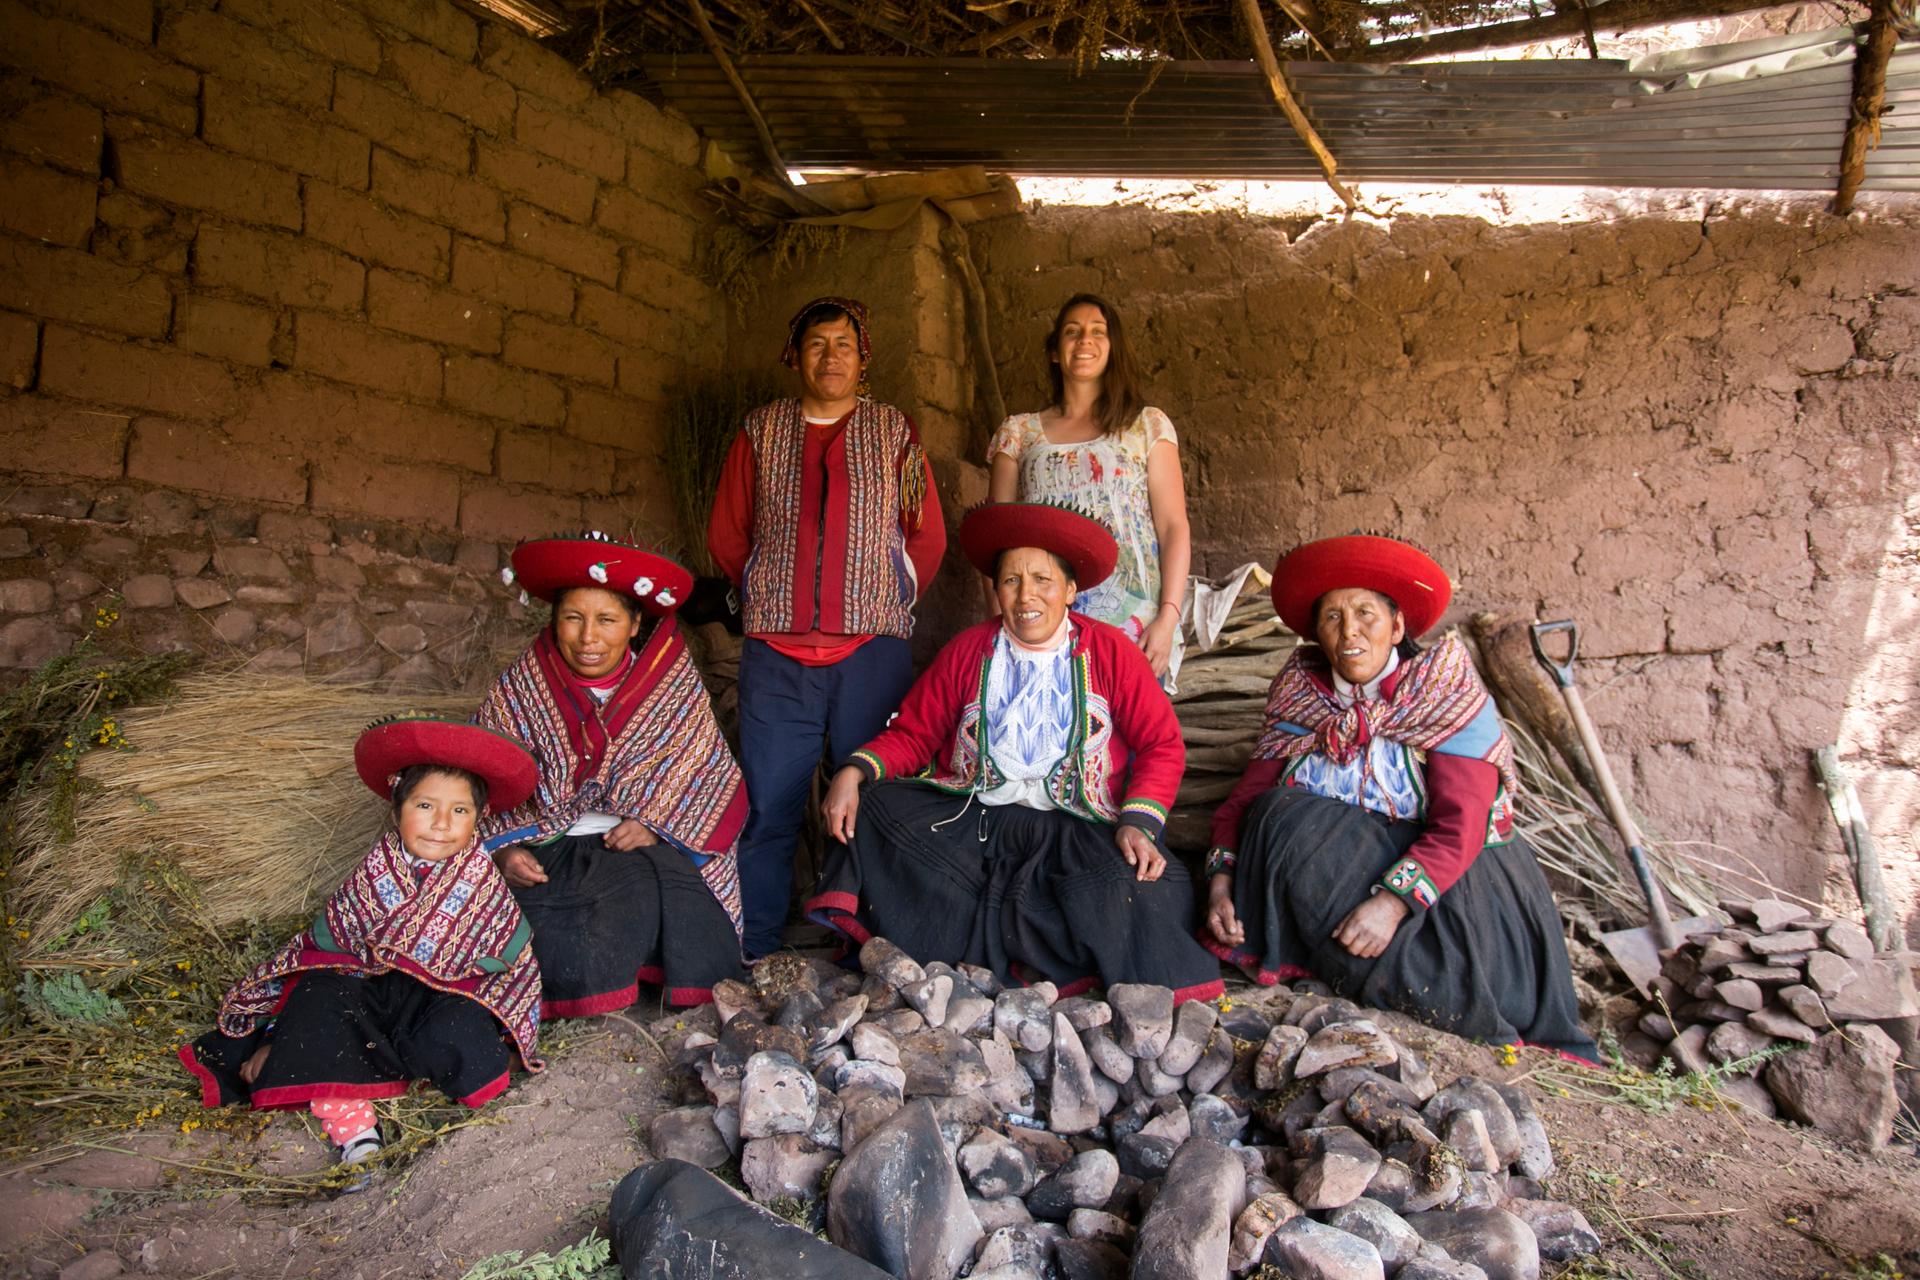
(593, 629)
(1034, 593)
(437, 817)
(1082, 349)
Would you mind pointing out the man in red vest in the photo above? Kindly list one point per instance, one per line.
(827, 521)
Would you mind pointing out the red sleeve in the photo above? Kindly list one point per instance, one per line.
(1143, 719)
(924, 725)
(927, 540)
(1460, 794)
(730, 527)
(1260, 777)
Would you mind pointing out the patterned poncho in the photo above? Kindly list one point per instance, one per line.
(1436, 706)
(652, 752)
(457, 929)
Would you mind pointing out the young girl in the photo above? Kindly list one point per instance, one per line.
(418, 967)
(1099, 450)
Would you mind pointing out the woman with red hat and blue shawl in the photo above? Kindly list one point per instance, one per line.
(1010, 815)
(1370, 843)
(623, 857)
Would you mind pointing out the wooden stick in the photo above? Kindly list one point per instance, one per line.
(1617, 15)
(1024, 27)
(1869, 104)
(806, 203)
(821, 23)
(1277, 83)
(1857, 837)
(1306, 15)
(953, 237)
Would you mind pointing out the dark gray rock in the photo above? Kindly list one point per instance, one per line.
(1083, 1013)
(777, 1096)
(1023, 1016)
(672, 1219)
(863, 1073)
(745, 1035)
(1098, 1224)
(969, 1015)
(1475, 1094)
(1142, 1017)
(931, 997)
(1337, 1171)
(1214, 1119)
(897, 1200)
(1084, 1182)
(788, 1167)
(1215, 1065)
(1492, 1239)
(1089, 1260)
(1154, 1082)
(1381, 1227)
(1273, 1067)
(936, 1061)
(1440, 1269)
(1309, 1250)
(873, 1042)
(1108, 1058)
(1073, 1106)
(1358, 1043)
(835, 1021)
(1841, 1084)
(1535, 1158)
(1008, 1211)
(997, 1167)
(688, 1134)
(1562, 1231)
(1264, 1214)
(883, 960)
(828, 1114)
(1193, 1022)
(1411, 1070)
(1025, 1245)
(1143, 1156)
(1466, 1132)
(1188, 1230)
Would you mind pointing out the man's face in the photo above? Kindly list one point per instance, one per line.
(830, 364)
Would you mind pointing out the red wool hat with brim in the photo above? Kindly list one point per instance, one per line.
(1000, 526)
(389, 746)
(1393, 568)
(548, 566)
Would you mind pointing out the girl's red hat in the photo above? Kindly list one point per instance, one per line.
(1393, 568)
(388, 746)
(548, 566)
(1081, 542)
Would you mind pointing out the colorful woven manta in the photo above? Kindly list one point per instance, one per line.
(456, 929)
(652, 752)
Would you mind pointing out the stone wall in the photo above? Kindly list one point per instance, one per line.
(333, 265)
(1697, 438)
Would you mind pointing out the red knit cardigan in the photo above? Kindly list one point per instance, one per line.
(1126, 758)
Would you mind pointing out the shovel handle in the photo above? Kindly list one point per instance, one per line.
(1562, 671)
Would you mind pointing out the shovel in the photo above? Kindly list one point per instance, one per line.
(1636, 951)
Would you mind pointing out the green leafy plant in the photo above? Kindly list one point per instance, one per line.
(65, 998)
(589, 1259)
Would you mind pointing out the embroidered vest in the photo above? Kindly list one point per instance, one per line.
(863, 486)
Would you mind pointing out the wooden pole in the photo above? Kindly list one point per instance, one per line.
(1277, 82)
(1869, 103)
(1882, 925)
(768, 148)
(953, 237)
(1616, 15)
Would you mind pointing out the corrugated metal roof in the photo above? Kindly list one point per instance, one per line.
(1758, 114)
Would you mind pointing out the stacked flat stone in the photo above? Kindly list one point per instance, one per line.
(1012, 1134)
(1778, 976)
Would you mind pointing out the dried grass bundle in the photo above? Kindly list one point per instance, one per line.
(246, 782)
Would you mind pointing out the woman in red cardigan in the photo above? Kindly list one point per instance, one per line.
(1371, 842)
(1010, 815)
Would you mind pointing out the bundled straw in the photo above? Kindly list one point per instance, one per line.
(245, 781)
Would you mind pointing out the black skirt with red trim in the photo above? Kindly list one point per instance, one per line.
(340, 1035)
(1487, 961)
(1031, 894)
(607, 921)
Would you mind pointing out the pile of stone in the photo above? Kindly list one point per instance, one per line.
(1778, 977)
(956, 1127)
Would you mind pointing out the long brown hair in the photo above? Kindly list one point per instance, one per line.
(1120, 397)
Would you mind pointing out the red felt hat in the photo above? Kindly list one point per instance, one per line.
(548, 566)
(388, 746)
(998, 526)
(1393, 568)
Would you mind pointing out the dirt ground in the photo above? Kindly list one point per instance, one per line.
(1692, 1193)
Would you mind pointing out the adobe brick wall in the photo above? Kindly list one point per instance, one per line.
(369, 259)
(1698, 438)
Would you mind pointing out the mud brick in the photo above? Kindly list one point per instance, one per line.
(158, 379)
(636, 218)
(246, 55)
(457, 88)
(533, 343)
(203, 458)
(510, 279)
(453, 201)
(52, 130)
(499, 391)
(233, 331)
(502, 513)
(45, 204)
(643, 275)
(395, 122)
(439, 24)
(528, 65)
(130, 18)
(409, 306)
(367, 230)
(645, 373)
(621, 422)
(663, 181)
(328, 28)
(628, 320)
(66, 284)
(669, 136)
(180, 171)
(554, 461)
(98, 67)
(349, 351)
(402, 491)
(551, 131)
(283, 136)
(278, 267)
(19, 351)
(50, 437)
(565, 245)
(317, 416)
(533, 177)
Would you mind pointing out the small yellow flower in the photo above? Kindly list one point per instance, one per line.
(183, 965)
(99, 675)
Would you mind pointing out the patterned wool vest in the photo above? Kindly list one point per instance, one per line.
(785, 583)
